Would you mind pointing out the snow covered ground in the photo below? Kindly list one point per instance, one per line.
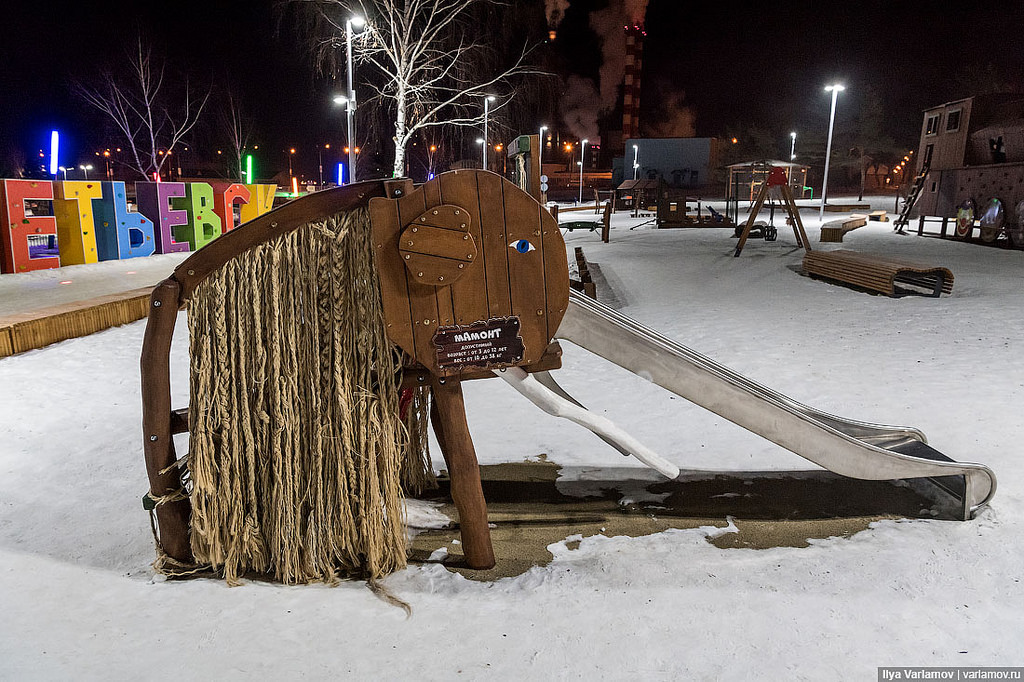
(78, 599)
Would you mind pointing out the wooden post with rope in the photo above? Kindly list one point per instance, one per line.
(776, 179)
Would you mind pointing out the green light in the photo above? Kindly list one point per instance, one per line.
(248, 169)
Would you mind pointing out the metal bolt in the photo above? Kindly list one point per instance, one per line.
(410, 243)
(191, 272)
(426, 323)
(415, 229)
(456, 211)
(539, 311)
(398, 192)
(435, 211)
(273, 224)
(407, 256)
(440, 278)
(419, 274)
(461, 265)
(469, 256)
(152, 438)
(536, 233)
(423, 220)
(465, 236)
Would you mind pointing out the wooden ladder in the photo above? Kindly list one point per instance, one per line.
(911, 200)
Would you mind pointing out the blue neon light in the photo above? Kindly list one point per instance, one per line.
(54, 151)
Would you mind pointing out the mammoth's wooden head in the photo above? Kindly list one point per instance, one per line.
(473, 272)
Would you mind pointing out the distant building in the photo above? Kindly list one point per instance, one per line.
(679, 161)
(973, 149)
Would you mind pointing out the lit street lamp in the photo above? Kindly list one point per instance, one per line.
(835, 89)
(358, 22)
(636, 161)
(291, 153)
(792, 147)
(583, 157)
(85, 169)
(64, 170)
(486, 100)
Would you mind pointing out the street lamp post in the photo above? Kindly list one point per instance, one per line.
(487, 100)
(291, 153)
(85, 169)
(540, 150)
(792, 147)
(320, 158)
(583, 157)
(835, 89)
(636, 161)
(357, 22)
(64, 170)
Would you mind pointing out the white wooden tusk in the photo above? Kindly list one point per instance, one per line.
(555, 405)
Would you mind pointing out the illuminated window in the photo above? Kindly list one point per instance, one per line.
(932, 127)
(953, 121)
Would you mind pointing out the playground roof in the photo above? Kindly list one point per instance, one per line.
(641, 183)
(767, 162)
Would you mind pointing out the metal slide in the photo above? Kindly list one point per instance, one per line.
(847, 447)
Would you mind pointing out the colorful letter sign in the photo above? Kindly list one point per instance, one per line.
(261, 200)
(76, 223)
(225, 196)
(203, 224)
(154, 202)
(122, 233)
(91, 221)
(19, 226)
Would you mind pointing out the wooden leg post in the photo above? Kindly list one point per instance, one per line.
(173, 517)
(448, 412)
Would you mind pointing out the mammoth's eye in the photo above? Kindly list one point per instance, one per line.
(522, 246)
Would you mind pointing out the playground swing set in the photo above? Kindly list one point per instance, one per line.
(323, 333)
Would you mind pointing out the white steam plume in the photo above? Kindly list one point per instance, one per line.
(555, 10)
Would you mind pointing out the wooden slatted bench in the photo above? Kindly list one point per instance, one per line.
(877, 273)
(584, 283)
(833, 231)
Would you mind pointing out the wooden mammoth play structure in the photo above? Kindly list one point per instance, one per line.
(316, 333)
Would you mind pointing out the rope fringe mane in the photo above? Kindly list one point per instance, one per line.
(296, 443)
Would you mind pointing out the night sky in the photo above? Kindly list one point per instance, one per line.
(731, 66)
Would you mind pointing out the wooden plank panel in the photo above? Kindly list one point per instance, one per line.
(422, 298)
(495, 241)
(556, 270)
(445, 307)
(391, 273)
(432, 193)
(469, 293)
(438, 241)
(526, 271)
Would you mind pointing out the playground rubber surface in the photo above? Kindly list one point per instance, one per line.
(529, 508)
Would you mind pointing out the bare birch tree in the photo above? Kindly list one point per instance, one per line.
(428, 59)
(152, 115)
(238, 128)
